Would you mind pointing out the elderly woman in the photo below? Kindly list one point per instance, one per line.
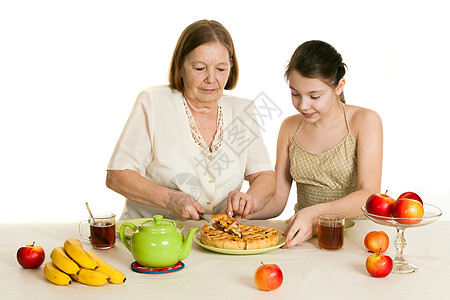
(186, 148)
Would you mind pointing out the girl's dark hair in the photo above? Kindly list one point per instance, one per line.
(320, 60)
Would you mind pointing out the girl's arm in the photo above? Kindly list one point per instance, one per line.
(278, 202)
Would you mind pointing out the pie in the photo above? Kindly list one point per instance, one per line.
(225, 233)
(225, 223)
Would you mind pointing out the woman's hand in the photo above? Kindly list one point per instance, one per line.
(240, 205)
(301, 228)
(184, 206)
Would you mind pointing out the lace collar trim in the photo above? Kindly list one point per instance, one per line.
(198, 139)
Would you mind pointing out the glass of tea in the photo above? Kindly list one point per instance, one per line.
(331, 231)
(102, 230)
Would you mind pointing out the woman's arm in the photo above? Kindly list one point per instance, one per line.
(369, 136)
(137, 188)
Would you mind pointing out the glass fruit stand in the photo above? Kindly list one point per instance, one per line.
(400, 265)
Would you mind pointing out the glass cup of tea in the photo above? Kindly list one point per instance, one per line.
(331, 231)
(102, 230)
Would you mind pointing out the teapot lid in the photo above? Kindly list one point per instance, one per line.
(158, 224)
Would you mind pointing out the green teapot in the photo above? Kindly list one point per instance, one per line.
(157, 243)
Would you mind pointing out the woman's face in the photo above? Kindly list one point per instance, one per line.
(312, 97)
(205, 73)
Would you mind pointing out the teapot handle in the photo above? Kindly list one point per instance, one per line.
(122, 233)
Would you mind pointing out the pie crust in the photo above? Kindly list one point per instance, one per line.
(226, 233)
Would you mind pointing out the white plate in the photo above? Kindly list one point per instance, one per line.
(137, 222)
(197, 239)
(349, 224)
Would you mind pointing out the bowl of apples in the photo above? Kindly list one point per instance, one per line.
(406, 212)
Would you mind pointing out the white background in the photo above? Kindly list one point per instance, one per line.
(71, 70)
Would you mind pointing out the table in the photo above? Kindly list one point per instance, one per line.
(308, 271)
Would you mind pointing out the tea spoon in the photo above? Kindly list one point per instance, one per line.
(90, 213)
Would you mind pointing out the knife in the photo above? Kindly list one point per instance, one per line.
(206, 217)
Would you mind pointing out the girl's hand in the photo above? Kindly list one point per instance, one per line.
(184, 206)
(240, 205)
(301, 227)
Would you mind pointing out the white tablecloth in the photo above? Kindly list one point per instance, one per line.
(308, 271)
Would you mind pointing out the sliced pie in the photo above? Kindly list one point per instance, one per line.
(226, 234)
(225, 223)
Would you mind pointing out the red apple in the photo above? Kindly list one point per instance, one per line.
(410, 209)
(268, 277)
(379, 265)
(376, 241)
(411, 195)
(380, 204)
(30, 256)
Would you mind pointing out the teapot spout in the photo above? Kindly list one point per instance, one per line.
(187, 244)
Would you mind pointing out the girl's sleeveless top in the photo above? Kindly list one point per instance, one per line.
(326, 176)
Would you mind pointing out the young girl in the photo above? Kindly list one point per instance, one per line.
(331, 149)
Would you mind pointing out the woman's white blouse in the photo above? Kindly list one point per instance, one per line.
(157, 143)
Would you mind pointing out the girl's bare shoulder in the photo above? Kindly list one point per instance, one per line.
(289, 126)
(291, 123)
(361, 117)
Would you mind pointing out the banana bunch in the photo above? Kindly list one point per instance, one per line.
(73, 262)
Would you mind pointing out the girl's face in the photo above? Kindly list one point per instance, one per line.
(312, 97)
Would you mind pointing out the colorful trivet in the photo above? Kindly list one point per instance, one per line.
(140, 269)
